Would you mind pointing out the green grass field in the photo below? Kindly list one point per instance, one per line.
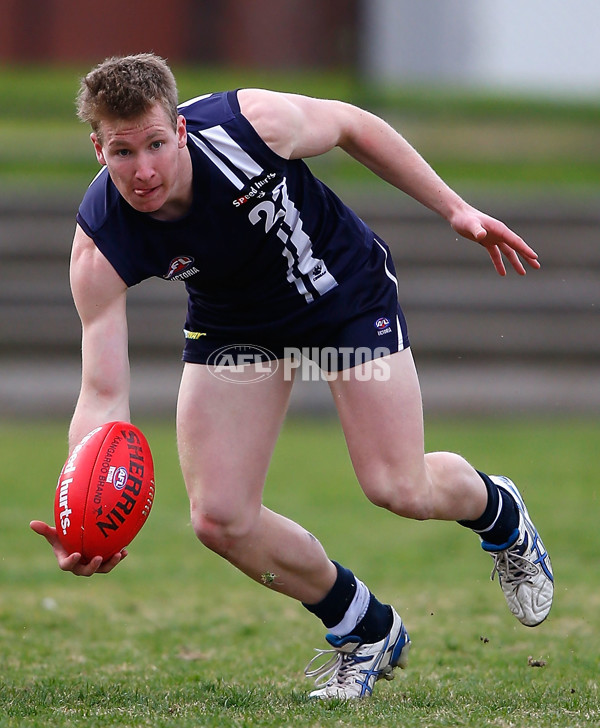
(175, 637)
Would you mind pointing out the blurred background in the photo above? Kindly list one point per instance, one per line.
(502, 99)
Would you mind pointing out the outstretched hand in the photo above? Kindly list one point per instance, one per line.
(73, 562)
(499, 240)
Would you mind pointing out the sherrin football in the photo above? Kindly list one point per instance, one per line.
(105, 491)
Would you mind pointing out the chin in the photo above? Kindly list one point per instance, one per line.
(145, 205)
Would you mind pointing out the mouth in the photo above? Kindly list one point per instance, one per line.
(144, 192)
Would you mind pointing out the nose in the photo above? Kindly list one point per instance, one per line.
(144, 169)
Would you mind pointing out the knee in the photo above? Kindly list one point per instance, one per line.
(407, 496)
(221, 531)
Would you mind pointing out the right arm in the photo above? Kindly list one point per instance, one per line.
(100, 297)
(296, 126)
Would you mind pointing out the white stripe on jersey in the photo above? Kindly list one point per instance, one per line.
(298, 282)
(189, 102)
(227, 146)
(234, 179)
(310, 268)
(392, 278)
(315, 270)
(235, 163)
(101, 171)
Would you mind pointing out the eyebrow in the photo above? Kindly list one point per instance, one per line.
(156, 133)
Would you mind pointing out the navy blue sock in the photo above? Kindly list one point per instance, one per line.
(500, 517)
(331, 609)
(377, 620)
(376, 623)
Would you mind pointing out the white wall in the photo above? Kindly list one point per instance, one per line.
(539, 45)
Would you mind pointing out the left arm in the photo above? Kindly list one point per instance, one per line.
(296, 126)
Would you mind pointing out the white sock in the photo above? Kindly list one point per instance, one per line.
(355, 612)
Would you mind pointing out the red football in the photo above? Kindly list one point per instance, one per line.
(105, 491)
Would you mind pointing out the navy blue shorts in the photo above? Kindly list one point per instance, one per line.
(357, 321)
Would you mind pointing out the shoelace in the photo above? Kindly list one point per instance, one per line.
(513, 568)
(339, 668)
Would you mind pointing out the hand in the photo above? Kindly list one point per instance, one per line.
(496, 238)
(73, 562)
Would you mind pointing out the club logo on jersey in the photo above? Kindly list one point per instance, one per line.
(181, 268)
(383, 326)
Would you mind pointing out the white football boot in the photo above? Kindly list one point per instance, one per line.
(523, 567)
(354, 666)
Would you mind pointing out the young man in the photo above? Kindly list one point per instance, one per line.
(215, 194)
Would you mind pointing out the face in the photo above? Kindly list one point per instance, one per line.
(148, 161)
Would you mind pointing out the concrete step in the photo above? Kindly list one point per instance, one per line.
(30, 388)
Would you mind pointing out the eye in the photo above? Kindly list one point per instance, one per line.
(156, 145)
(122, 152)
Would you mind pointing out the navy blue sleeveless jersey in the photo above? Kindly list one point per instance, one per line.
(266, 252)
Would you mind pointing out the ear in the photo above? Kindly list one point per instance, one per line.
(181, 132)
(97, 148)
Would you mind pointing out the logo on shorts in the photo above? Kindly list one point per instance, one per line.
(181, 268)
(193, 335)
(383, 326)
(242, 363)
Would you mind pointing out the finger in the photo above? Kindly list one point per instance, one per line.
(527, 253)
(112, 562)
(496, 256)
(97, 565)
(47, 532)
(516, 253)
(68, 562)
(501, 233)
(514, 260)
(479, 233)
(532, 261)
(87, 569)
(41, 528)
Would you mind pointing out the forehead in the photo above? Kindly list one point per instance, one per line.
(153, 122)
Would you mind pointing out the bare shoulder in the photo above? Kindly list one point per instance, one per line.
(273, 115)
(87, 258)
(293, 125)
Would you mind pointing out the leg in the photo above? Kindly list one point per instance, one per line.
(386, 445)
(226, 435)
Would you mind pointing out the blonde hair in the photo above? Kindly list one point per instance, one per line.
(125, 87)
